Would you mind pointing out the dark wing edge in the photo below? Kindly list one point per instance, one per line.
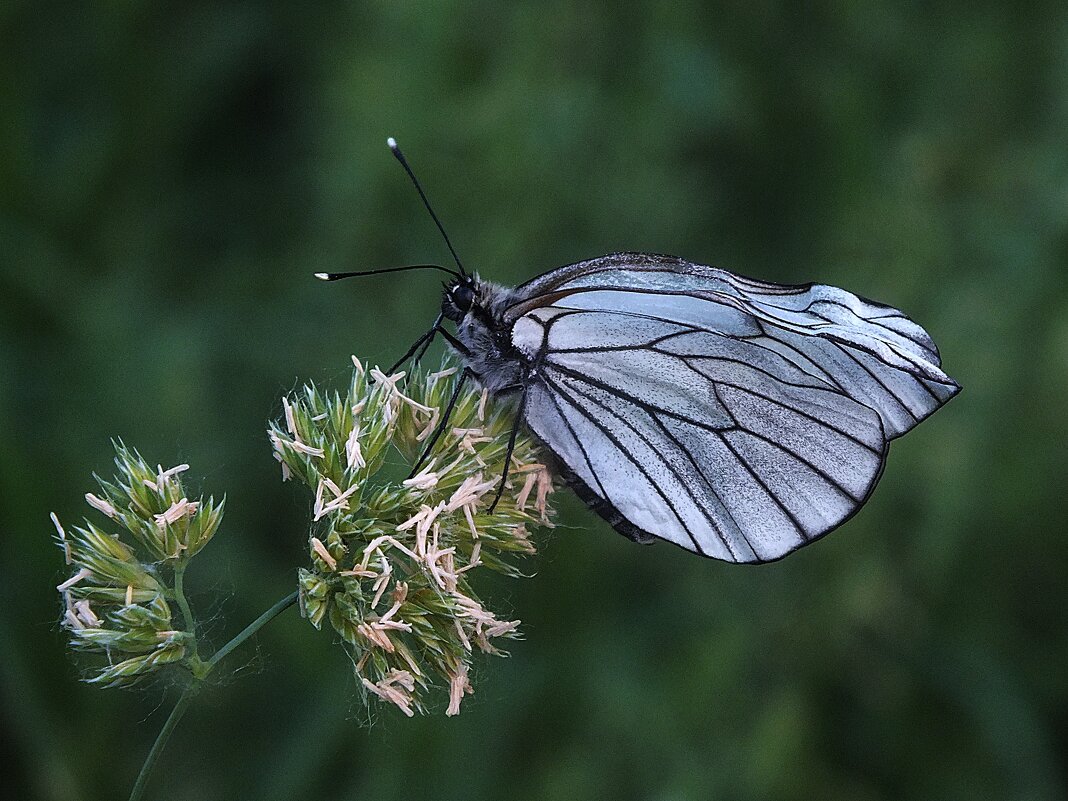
(548, 281)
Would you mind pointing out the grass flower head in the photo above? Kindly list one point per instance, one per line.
(118, 598)
(393, 554)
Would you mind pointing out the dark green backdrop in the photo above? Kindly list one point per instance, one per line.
(171, 175)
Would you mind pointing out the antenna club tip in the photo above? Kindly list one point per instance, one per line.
(391, 143)
(323, 276)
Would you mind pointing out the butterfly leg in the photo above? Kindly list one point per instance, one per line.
(423, 342)
(423, 350)
(511, 447)
(466, 374)
(460, 347)
(426, 340)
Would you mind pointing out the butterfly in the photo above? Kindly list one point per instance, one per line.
(738, 419)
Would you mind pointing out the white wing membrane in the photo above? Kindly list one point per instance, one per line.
(738, 419)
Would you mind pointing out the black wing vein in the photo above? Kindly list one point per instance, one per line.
(630, 457)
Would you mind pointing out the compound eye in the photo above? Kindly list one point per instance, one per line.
(463, 296)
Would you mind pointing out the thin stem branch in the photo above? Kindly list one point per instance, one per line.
(200, 671)
(162, 737)
(251, 629)
(179, 595)
(187, 614)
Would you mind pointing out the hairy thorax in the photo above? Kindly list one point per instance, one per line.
(491, 356)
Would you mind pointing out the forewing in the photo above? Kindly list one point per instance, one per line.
(868, 351)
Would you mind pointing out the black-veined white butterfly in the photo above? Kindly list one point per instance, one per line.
(736, 418)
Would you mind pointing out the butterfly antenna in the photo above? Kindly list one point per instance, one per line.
(404, 163)
(339, 276)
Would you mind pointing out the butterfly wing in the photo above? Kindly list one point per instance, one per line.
(872, 352)
(738, 419)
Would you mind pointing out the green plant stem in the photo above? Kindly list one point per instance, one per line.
(199, 674)
(251, 629)
(162, 737)
(187, 616)
(179, 594)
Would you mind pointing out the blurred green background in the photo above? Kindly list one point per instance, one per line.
(172, 174)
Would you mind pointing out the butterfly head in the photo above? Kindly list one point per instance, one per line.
(459, 297)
